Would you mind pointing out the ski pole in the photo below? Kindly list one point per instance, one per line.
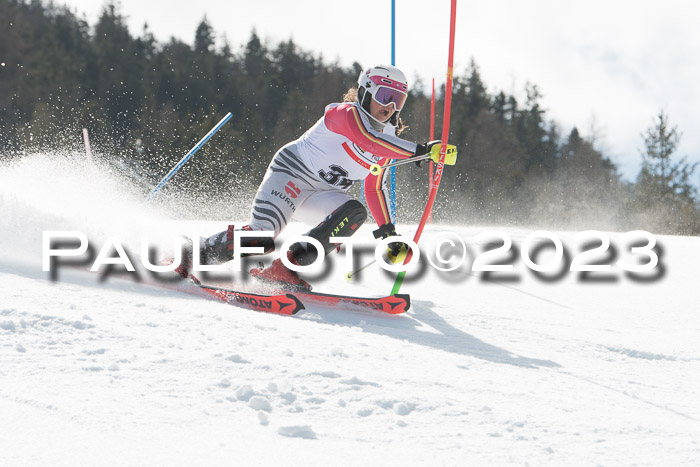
(182, 162)
(385, 256)
(352, 274)
(374, 169)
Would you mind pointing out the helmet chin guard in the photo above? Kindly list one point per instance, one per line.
(385, 84)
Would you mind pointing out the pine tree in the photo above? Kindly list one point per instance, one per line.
(118, 72)
(537, 138)
(660, 176)
(664, 189)
(204, 38)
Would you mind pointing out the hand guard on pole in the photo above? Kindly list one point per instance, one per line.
(433, 148)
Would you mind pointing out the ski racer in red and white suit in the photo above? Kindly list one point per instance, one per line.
(307, 179)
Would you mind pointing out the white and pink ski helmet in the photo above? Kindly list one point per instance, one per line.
(385, 84)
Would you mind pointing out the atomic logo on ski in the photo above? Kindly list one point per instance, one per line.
(394, 304)
(285, 304)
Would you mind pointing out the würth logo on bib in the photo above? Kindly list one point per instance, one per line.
(292, 190)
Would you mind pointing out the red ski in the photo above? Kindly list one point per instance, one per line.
(393, 304)
(284, 304)
(291, 302)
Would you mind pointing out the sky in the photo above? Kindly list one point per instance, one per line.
(607, 68)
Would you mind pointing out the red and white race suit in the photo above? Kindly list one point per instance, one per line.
(307, 179)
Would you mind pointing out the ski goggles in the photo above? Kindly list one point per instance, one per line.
(386, 96)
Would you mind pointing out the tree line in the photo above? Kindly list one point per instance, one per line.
(146, 103)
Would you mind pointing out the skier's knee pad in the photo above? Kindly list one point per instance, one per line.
(343, 222)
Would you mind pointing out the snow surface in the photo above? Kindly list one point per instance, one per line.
(508, 370)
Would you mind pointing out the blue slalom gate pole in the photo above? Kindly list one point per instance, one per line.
(182, 162)
(392, 197)
(392, 172)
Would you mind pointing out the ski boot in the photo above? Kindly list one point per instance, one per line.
(183, 270)
(278, 275)
(218, 249)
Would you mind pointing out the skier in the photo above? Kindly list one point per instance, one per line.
(308, 179)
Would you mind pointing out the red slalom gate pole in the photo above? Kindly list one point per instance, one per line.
(432, 137)
(443, 147)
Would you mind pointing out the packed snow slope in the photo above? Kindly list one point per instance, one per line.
(505, 369)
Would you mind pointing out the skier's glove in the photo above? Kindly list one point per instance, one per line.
(422, 149)
(433, 148)
(395, 250)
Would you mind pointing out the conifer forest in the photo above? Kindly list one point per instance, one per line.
(146, 103)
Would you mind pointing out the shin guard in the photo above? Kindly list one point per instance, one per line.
(343, 222)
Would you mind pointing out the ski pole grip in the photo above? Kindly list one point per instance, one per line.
(375, 169)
